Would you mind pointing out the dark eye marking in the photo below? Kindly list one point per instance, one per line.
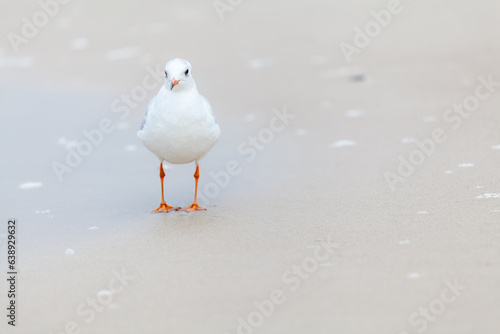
(166, 74)
(187, 72)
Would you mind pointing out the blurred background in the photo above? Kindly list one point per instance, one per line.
(68, 68)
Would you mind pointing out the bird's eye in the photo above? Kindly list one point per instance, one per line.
(187, 72)
(166, 74)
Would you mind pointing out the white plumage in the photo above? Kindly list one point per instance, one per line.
(179, 126)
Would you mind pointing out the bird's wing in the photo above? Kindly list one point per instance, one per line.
(207, 104)
(150, 105)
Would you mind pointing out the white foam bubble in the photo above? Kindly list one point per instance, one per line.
(93, 228)
(319, 59)
(466, 165)
(413, 275)
(123, 125)
(30, 185)
(188, 14)
(449, 172)
(259, 63)
(404, 242)
(132, 31)
(19, 62)
(123, 53)
(130, 148)
(42, 211)
(105, 293)
(354, 113)
(408, 140)
(79, 43)
(496, 147)
(422, 212)
(326, 104)
(157, 28)
(492, 195)
(343, 71)
(249, 117)
(63, 23)
(343, 143)
(300, 132)
(69, 251)
(67, 143)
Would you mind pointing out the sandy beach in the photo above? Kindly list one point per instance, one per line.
(355, 187)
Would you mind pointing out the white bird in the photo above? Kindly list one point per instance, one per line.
(179, 126)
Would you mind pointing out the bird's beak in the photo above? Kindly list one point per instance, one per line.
(173, 83)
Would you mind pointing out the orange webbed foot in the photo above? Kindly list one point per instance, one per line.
(164, 207)
(194, 207)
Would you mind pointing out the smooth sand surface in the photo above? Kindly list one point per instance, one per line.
(318, 180)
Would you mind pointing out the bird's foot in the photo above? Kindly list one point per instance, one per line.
(164, 207)
(194, 207)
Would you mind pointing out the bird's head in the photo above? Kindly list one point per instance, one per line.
(178, 75)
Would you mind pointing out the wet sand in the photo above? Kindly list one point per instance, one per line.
(303, 232)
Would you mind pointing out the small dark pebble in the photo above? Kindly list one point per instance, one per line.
(358, 78)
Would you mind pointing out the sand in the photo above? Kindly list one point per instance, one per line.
(303, 232)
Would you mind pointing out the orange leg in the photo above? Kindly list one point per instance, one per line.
(164, 207)
(195, 206)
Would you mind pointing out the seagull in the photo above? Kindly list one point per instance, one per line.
(179, 126)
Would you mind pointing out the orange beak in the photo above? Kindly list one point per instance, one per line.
(173, 83)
